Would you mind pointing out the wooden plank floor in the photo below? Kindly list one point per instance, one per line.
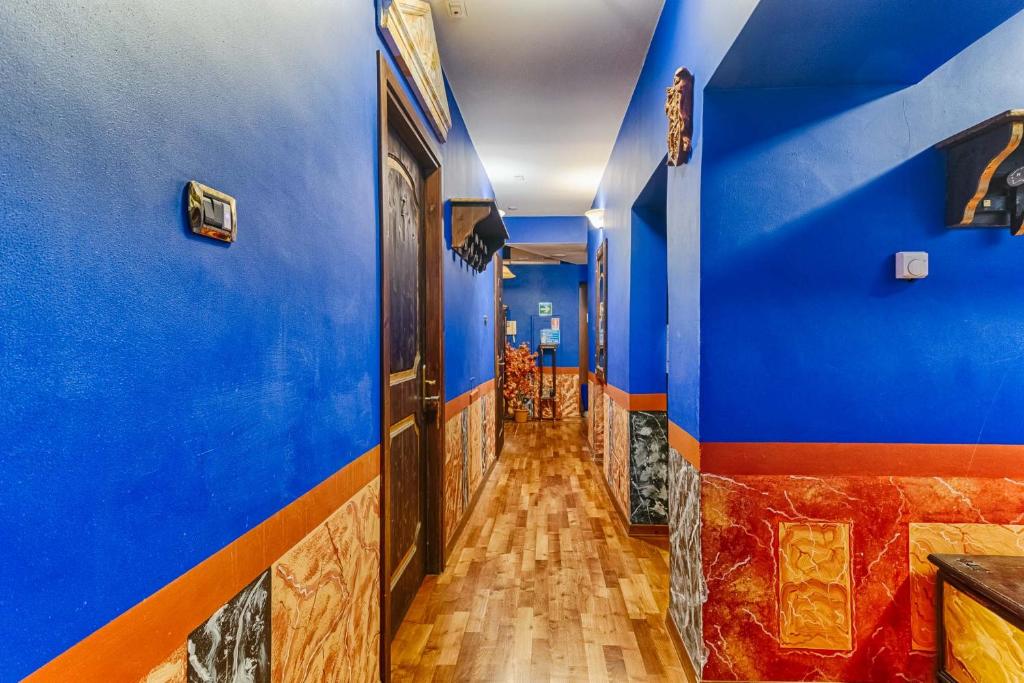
(544, 584)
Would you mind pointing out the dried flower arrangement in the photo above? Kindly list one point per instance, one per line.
(520, 378)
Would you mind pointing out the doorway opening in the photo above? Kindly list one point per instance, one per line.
(412, 355)
(648, 366)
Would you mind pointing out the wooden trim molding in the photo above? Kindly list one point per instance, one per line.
(644, 402)
(128, 647)
(863, 459)
(684, 443)
(396, 114)
(463, 401)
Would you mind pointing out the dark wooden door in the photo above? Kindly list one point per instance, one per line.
(499, 354)
(407, 496)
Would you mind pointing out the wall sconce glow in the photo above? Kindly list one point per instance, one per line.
(506, 273)
(596, 217)
(501, 212)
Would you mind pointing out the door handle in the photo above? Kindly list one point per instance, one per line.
(428, 401)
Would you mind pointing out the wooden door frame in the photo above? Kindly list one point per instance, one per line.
(499, 340)
(584, 340)
(396, 112)
(601, 322)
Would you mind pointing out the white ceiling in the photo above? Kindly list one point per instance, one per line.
(543, 86)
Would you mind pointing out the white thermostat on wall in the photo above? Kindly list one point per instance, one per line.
(911, 265)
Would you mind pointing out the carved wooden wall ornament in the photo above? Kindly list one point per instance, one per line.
(679, 109)
(408, 29)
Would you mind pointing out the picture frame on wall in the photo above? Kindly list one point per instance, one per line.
(407, 27)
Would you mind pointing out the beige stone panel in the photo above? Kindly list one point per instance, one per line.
(954, 539)
(453, 466)
(475, 445)
(171, 670)
(815, 610)
(325, 616)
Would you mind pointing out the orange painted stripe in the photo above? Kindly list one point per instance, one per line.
(864, 459)
(684, 443)
(654, 402)
(127, 648)
(463, 401)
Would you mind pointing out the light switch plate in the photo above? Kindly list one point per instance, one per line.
(212, 213)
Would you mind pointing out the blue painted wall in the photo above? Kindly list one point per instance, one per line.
(694, 33)
(785, 320)
(547, 229)
(162, 394)
(558, 284)
(806, 335)
(648, 287)
(468, 295)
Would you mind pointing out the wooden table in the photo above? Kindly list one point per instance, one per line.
(980, 618)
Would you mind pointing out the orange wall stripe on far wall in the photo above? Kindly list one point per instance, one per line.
(127, 648)
(463, 401)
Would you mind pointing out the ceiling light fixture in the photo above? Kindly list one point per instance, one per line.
(596, 217)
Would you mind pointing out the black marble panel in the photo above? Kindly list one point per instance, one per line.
(233, 645)
(648, 467)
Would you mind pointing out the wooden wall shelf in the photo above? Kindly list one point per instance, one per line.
(478, 231)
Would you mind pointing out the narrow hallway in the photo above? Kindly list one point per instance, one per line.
(544, 584)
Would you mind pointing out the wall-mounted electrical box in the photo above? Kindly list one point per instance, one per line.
(211, 213)
(985, 174)
(911, 265)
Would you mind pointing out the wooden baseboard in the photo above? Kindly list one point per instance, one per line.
(689, 671)
(470, 509)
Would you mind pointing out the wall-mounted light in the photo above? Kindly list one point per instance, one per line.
(596, 217)
(501, 212)
(506, 273)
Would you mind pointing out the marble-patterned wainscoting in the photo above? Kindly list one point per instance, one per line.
(313, 615)
(648, 467)
(616, 453)
(687, 591)
(567, 386)
(827, 579)
(468, 456)
(636, 462)
(595, 420)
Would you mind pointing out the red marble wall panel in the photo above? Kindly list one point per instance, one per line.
(741, 525)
